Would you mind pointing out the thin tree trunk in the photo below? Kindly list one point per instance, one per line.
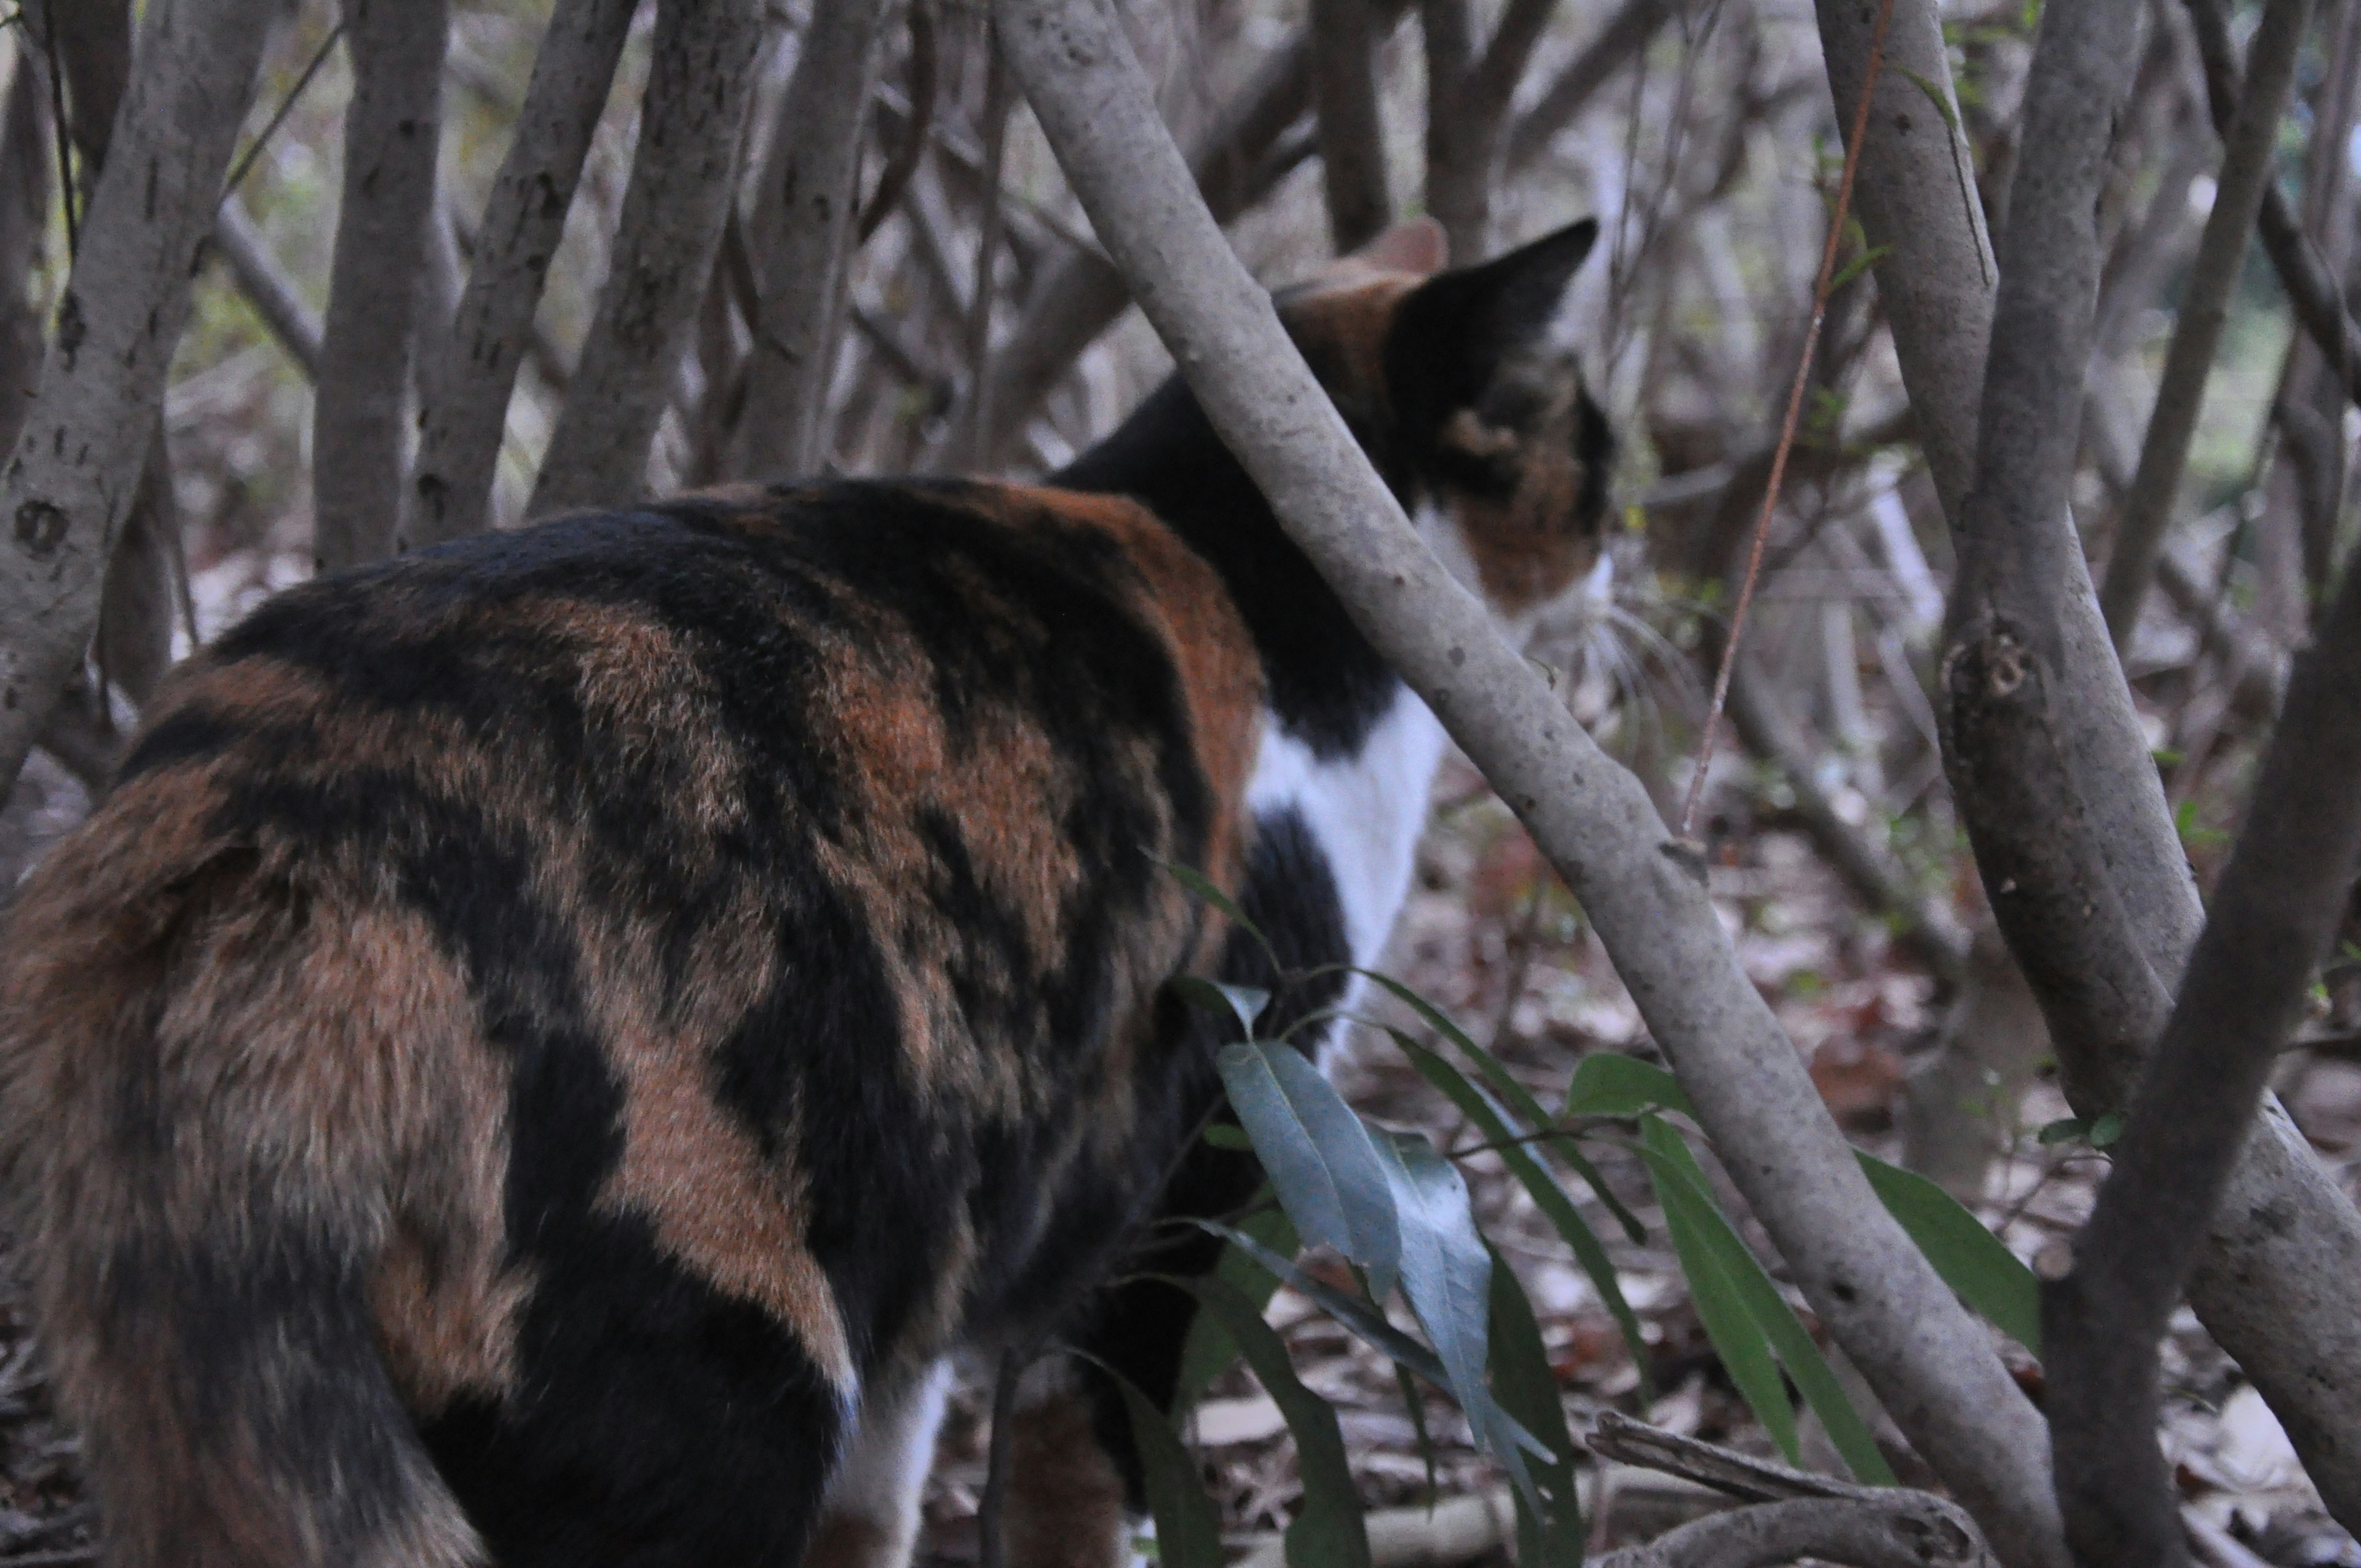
(466, 415)
(78, 460)
(1467, 105)
(1934, 1366)
(683, 183)
(376, 282)
(1351, 133)
(801, 235)
(2274, 1284)
(2247, 163)
(136, 597)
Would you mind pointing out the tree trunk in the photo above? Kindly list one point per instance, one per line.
(78, 460)
(465, 416)
(683, 185)
(392, 138)
(800, 235)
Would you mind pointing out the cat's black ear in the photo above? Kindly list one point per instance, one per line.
(1453, 332)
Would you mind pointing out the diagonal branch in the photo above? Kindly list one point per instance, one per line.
(2246, 169)
(1933, 1366)
(674, 209)
(460, 428)
(77, 463)
(1081, 295)
(392, 139)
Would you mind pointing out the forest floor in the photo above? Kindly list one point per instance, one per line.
(1490, 936)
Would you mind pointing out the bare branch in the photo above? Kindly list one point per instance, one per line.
(1081, 295)
(975, 418)
(2246, 168)
(683, 185)
(1933, 1366)
(1894, 1529)
(267, 286)
(460, 429)
(2317, 301)
(2273, 916)
(800, 235)
(77, 463)
(2274, 1287)
(895, 177)
(1620, 42)
(1924, 928)
(1352, 135)
(392, 136)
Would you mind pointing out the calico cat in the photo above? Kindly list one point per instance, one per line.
(552, 1042)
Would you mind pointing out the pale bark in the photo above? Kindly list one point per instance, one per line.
(683, 183)
(1933, 1366)
(460, 428)
(800, 235)
(1352, 135)
(1468, 93)
(376, 281)
(77, 463)
(2247, 163)
(2274, 1284)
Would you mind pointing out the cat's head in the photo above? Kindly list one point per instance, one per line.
(1471, 405)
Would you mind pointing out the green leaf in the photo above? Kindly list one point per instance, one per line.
(1445, 1271)
(1736, 1337)
(1523, 1382)
(1491, 1423)
(1328, 1532)
(1547, 1195)
(1197, 882)
(1859, 265)
(1228, 1135)
(1415, 1403)
(2106, 1130)
(1519, 1100)
(1608, 1085)
(1935, 96)
(1972, 1260)
(1680, 1182)
(1244, 1002)
(1322, 1160)
(1209, 1350)
(1188, 1532)
(2065, 1129)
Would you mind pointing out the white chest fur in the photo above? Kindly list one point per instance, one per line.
(1365, 811)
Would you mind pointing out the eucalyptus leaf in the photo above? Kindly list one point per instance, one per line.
(1606, 1084)
(1225, 1001)
(1972, 1260)
(1328, 1531)
(1197, 882)
(1547, 1194)
(1188, 1532)
(1209, 1350)
(1321, 1158)
(1552, 1535)
(1680, 1180)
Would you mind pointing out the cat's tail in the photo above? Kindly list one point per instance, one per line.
(210, 1108)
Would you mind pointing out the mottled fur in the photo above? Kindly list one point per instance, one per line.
(551, 1041)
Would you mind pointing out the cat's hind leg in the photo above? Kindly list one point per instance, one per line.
(870, 1518)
